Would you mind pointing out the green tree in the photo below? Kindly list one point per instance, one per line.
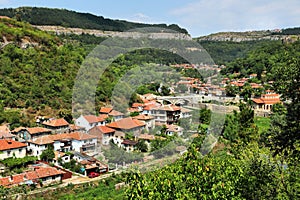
(48, 154)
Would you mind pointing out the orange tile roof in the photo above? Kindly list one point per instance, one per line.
(105, 110)
(135, 105)
(56, 122)
(115, 113)
(36, 130)
(130, 142)
(5, 132)
(48, 139)
(39, 172)
(94, 119)
(143, 117)
(168, 108)
(10, 144)
(105, 129)
(126, 123)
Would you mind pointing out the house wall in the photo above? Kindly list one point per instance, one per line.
(18, 153)
(81, 121)
(51, 179)
(36, 149)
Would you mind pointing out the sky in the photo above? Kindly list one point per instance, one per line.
(199, 17)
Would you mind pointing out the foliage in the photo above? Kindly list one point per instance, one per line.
(142, 146)
(13, 162)
(48, 154)
(66, 18)
(73, 166)
(223, 52)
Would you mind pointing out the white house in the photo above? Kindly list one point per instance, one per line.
(76, 141)
(103, 133)
(90, 121)
(147, 119)
(12, 148)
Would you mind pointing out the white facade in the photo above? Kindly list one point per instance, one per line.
(18, 153)
(36, 149)
(81, 121)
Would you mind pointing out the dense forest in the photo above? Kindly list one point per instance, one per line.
(66, 18)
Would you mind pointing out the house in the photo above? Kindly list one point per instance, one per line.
(74, 128)
(129, 145)
(147, 138)
(5, 132)
(40, 175)
(147, 119)
(12, 148)
(167, 114)
(61, 157)
(266, 102)
(118, 138)
(77, 141)
(128, 125)
(24, 134)
(115, 115)
(173, 129)
(105, 110)
(57, 125)
(90, 121)
(103, 133)
(90, 164)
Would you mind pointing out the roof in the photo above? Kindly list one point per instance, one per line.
(56, 122)
(115, 113)
(135, 105)
(143, 117)
(169, 107)
(119, 134)
(129, 142)
(105, 129)
(48, 139)
(146, 137)
(37, 173)
(10, 144)
(74, 127)
(5, 132)
(94, 119)
(36, 130)
(126, 123)
(267, 99)
(105, 110)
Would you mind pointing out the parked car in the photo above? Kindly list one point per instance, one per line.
(93, 174)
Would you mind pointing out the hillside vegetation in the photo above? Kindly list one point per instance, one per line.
(66, 18)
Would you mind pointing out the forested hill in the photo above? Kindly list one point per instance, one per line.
(72, 19)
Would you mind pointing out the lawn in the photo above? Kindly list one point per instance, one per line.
(263, 123)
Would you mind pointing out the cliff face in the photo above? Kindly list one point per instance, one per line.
(132, 34)
(248, 36)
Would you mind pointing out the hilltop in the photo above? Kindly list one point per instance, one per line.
(72, 19)
(278, 34)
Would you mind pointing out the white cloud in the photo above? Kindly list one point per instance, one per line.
(207, 16)
(140, 18)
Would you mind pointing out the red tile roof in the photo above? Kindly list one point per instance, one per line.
(105, 110)
(169, 107)
(115, 113)
(94, 119)
(126, 123)
(135, 105)
(143, 117)
(10, 144)
(5, 132)
(36, 130)
(38, 173)
(105, 129)
(56, 122)
(48, 139)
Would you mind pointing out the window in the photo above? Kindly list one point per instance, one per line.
(8, 153)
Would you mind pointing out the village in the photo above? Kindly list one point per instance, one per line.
(61, 148)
